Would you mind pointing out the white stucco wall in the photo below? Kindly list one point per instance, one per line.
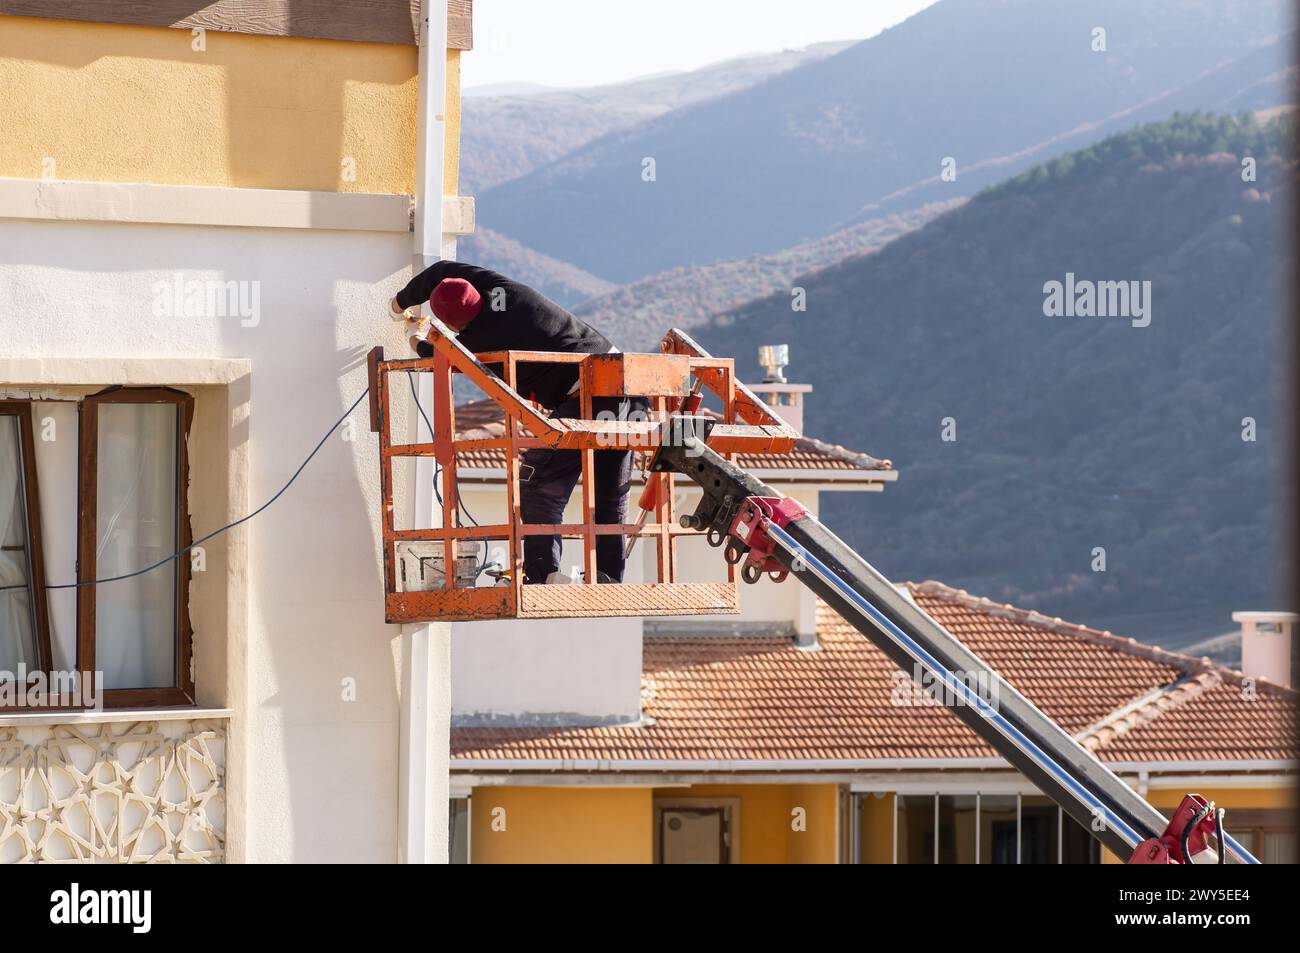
(544, 669)
(579, 670)
(319, 772)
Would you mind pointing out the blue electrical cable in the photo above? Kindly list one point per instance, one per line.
(244, 519)
(229, 526)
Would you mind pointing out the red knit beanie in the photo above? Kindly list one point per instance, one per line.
(455, 302)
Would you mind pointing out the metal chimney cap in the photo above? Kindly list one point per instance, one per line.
(774, 358)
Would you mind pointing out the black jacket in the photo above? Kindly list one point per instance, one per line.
(515, 317)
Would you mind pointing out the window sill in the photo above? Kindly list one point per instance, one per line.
(111, 715)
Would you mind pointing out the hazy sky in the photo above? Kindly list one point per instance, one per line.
(587, 42)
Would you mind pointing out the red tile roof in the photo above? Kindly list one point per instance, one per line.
(1212, 718)
(748, 699)
(484, 418)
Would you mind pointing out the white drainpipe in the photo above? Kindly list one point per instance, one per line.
(425, 721)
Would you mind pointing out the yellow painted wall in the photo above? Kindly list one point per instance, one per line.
(451, 137)
(616, 825)
(1242, 798)
(816, 845)
(139, 104)
(876, 830)
(561, 825)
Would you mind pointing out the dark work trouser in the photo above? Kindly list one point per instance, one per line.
(547, 479)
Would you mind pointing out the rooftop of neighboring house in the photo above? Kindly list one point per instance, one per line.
(763, 699)
(809, 460)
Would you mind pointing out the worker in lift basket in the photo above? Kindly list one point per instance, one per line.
(491, 312)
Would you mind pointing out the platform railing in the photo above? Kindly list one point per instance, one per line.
(745, 424)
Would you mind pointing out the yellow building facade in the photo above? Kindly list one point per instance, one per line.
(121, 103)
(772, 823)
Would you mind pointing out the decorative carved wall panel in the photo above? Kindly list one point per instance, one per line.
(124, 792)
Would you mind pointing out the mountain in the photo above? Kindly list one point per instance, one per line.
(563, 283)
(505, 89)
(507, 130)
(996, 85)
(637, 316)
(1072, 435)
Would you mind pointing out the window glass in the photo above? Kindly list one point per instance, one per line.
(915, 831)
(1078, 846)
(458, 831)
(998, 829)
(136, 525)
(1247, 840)
(1039, 824)
(1279, 847)
(990, 829)
(957, 829)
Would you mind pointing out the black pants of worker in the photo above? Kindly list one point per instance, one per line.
(547, 479)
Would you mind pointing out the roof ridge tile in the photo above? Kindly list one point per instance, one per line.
(1149, 708)
(1188, 664)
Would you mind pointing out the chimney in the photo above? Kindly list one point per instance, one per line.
(1266, 644)
(784, 398)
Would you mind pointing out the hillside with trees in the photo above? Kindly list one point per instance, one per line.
(638, 315)
(1030, 444)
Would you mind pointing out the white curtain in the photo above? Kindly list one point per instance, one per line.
(135, 619)
(17, 639)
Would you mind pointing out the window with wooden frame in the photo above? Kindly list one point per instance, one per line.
(24, 612)
(134, 627)
(1268, 834)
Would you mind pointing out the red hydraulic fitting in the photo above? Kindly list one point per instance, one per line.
(1186, 835)
(749, 534)
(691, 404)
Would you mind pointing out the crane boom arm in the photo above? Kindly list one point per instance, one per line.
(775, 536)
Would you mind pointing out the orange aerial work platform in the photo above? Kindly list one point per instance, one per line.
(667, 380)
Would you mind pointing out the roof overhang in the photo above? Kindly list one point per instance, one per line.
(851, 480)
(906, 771)
(988, 783)
(669, 764)
(395, 22)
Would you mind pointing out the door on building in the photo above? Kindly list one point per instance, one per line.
(694, 832)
